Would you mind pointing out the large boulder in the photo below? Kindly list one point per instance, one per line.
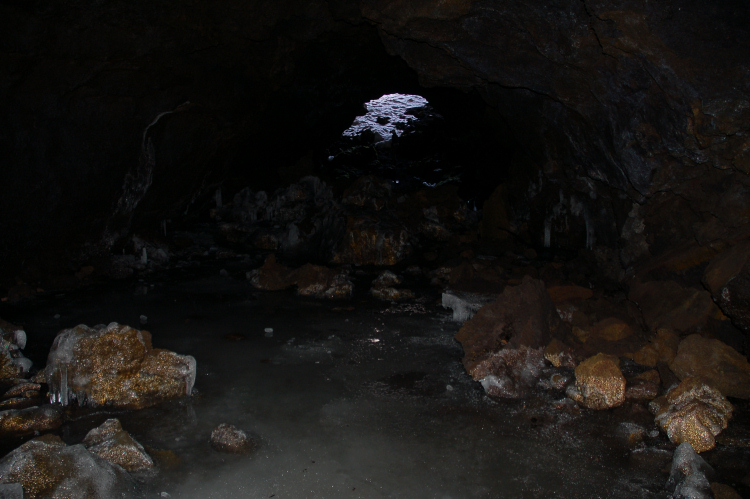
(714, 361)
(599, 383)
(693, 412)
(667, 304)
(115, 366)
(47, 468)
(522, 316)
(727, 277)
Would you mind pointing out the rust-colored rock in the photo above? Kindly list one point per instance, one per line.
(115, 365)
(599, 382)
(111, 443)
(667, 304)
(661, 348)
(30, 420)
(693, 412)
(715, 362)
(522, 316)
(46, 467)
(559, 354)
(370, 241)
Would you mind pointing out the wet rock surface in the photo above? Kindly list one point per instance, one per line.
(115, 366)
(111, 443)
(46, 467)
(228, 438)
(692, 412)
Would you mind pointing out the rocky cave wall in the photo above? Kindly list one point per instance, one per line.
(631, 118)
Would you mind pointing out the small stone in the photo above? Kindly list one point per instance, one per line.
(645, 386)
(559, 354)
(599, 383)
(143, 319)
(228, 438)
(268, 332)
(688, 476)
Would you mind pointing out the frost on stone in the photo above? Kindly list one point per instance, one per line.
(12, 362)
(688, 478)
(465, 305)
(386, 115)
(111, 443)
(115, 365)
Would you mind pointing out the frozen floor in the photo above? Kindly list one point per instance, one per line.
(347, 400)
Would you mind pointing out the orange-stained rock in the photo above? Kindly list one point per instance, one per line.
(693, 412)
(611, 329)
(115, 365)
(111, 443)
(661, 348)
(559, 354)
(369, 241)
(30, 420)
(522, 316)
(599, 383)
(46, 467)
(562, 294)
(715, 362)
(667, 304)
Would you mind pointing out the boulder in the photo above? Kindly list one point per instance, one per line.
(644, 386)
(693, 412)
(668, 304)
(115, 366)
(714, 361)
(727, 277)
(599, 383)
(510, 372)
(661, 348)
(30, 420)
(12, 362)
(46, 467)
(111, 443)
(522, 316)
(272, 276)
(371, 241)
(383, 288)
(228, 438)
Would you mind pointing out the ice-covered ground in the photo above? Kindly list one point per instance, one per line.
(345, 400)
(384, 114)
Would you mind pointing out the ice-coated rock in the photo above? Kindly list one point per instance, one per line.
(716, 362)
(111, 443)
(12, 362)
(32, 419)
(47, 468)
(688, 478)
(115, 365)
(694, 412)
(510, 372)
(559, 354)
(229, 438)
(465, 305)
(11, 491)
(522, 316)
(599, 383)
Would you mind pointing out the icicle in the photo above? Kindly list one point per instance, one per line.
(218, 198)
(547, 233)
(64, 384)
(144, 257)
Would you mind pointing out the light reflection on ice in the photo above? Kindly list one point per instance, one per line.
(384, 114)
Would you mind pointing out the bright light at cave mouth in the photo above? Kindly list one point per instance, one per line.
(386, 115)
